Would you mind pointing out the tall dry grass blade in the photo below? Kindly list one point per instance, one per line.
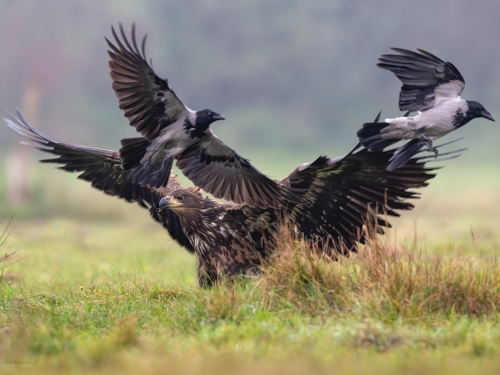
(3, 238)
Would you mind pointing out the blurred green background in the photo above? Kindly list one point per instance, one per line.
(295, 80)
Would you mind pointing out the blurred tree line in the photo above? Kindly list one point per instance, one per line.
(287, 74)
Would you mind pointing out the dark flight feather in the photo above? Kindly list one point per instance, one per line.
(422, 74)
(147, 100)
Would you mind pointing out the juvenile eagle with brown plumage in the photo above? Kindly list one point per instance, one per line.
(345, 200)
(339, 198)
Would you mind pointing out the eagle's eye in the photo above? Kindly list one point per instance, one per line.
(179, 197)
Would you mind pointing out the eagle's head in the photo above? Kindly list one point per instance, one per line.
(182, 201)
(197, 214)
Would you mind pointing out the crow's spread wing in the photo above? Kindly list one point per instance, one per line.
(103, 169)
(222, 172)
(426, 79)
(348, 197)
(147, 100)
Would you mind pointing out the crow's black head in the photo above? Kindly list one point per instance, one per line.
(205, 118)
(477, 110)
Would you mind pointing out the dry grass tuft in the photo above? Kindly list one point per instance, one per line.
(7, 256)
(382, 280)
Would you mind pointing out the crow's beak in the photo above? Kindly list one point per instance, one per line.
(486, 114)
(164, 202)
(216, 116)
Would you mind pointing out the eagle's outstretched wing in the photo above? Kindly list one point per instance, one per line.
(103, 169)
(348, 197)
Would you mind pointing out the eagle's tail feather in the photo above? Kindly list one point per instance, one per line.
(370, 137)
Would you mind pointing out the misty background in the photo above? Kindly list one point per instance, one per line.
(294, 79)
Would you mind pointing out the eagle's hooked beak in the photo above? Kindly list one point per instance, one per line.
(168, 202)
(164, 202)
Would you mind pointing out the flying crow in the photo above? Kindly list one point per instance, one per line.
(171, 131)
(430, 86)
(343, 200)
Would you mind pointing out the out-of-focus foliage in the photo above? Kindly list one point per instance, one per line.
(285, 73)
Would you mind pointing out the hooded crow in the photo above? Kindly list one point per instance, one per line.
(171, 131)
(430, 86)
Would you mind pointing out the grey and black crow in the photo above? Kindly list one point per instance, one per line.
(432, 87)
(343, 200)
(171, 131)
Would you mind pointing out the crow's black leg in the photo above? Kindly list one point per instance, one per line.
(427, 141)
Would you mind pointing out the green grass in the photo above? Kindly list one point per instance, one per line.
(105, 290)
(95, 297)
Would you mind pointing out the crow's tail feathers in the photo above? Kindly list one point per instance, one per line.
(152, 175)
(404, 153)
(370, 137)
(132, 152)
(144, 172)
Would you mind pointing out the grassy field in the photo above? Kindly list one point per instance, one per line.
(104, 289)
